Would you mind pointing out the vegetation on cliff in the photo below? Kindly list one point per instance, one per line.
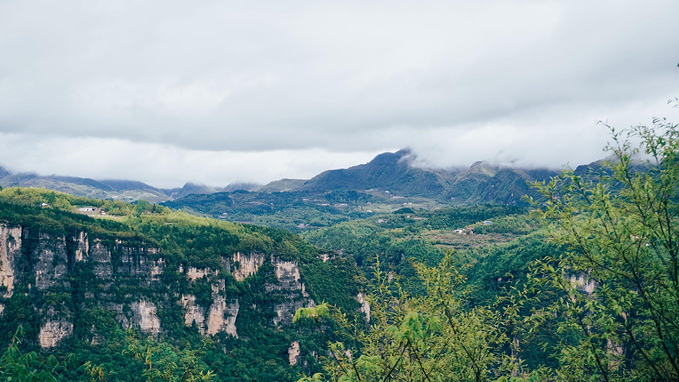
(143, 260)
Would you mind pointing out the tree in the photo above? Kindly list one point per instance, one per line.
(163, 362)
(617, 285)
(429, 338)
(16, 365)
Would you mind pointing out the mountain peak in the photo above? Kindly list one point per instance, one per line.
(482, 167)
(388, 158)
(4, 172)
(387, 171)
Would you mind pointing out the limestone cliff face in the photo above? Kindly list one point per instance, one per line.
(194, 314)
(293, 353)
(222, 317)
(134, 282)
(583, 283)
(145, 316)
(53, 332)
(10, 247)
(221, 314)
(58, 272)
(290, 288)
(194, 273)
(51, 267)
(246, 265)
(82, 246)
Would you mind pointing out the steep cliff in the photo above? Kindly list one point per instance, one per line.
(118, 275)
(67, 278)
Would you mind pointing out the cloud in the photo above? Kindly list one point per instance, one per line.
(457, 81)
(163, 165)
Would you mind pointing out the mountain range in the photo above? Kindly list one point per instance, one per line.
(395, 172)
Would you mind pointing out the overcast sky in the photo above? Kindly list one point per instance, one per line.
(217, 92)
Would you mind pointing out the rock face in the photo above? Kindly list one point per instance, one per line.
(51, 268)
(365, 306)
(130, 279)
(83, 246)
(145, 316)
(53, 264)
(222, 317)
(101, 258)
(193, 313)
(53, 331)
(293, 353)
(221, 314)
(246, 265)
(583, 283)
(287, 273)
(291, 290)
(198, 273)
(10, 247)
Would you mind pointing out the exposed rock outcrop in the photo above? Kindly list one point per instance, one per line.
(293, 353)
(365, 306)
(52, 332)
(193, 313)
(100, 256)
(10, 247)
(583, 283)
(51, 268)
(82, 246)
(291, 287)
(222, 317)
(246, 265)
(198, 273)
(287, 273)
(145, 316)
(118, 275)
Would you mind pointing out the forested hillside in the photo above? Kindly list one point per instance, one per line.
(133, 291)
(592, 294)
(387, 183)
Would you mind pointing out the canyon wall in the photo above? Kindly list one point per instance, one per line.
(66, 275)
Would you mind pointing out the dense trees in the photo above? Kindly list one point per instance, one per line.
(618, 284)
(18, 365)
(423, 338)
(600, 301)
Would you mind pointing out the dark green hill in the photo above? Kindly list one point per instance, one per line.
(385, 184)
(394, 172)
(290, 210)
(484, 183)
(466, 184)
(189, 189)
(283, 185)
(388, 171)
(120, 185)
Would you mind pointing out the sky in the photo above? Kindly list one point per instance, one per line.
(216, 92)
